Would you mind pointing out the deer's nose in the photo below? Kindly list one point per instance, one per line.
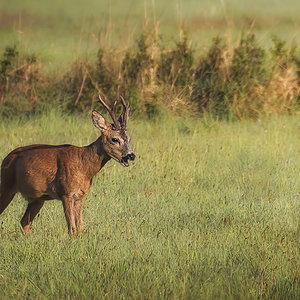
(131, 156)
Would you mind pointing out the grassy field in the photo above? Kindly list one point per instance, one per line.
(209, 210)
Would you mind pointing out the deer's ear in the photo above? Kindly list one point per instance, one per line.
(100, 122)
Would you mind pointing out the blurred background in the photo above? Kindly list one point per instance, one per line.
(61, 31)
(227, 57)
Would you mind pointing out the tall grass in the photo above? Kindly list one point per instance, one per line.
(208, 210)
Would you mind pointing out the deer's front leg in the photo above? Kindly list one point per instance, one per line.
(78, 215)
(68, 204)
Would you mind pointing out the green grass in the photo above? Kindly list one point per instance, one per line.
(61, 31)
(209, 210)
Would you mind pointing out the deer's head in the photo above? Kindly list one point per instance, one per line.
(115, 139)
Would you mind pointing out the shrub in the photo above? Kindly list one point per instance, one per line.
(210, 80)
(136, 66)
(176, 66)
(247, 71)
(281, 92)
(241, 84)
(240, 81)
(21, 81)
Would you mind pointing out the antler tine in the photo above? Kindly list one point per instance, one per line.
(123, 101)
(125, 113)
(115, 106)
(111, 111)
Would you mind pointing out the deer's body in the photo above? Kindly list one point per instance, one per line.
(39, 172)
(63, 172)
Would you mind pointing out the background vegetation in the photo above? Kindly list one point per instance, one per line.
(210, 207)
(248, 71)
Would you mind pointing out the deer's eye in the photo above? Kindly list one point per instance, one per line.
(114, 140)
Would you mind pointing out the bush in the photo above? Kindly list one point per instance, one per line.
(176, 66)
(242, 81)
(21, 82)
(247, 83)
(209, 88)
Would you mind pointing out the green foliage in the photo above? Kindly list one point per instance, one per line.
(248, 83)
(9, 58)
(217, 217)
(76, 88)
(282, 56)
(21, 83)
(176, 65)
(248, 64)
(220, 80)
(10, 55)
(248, 69)
(134, 64)
(242, 81)
(105, 78)
(210, 81)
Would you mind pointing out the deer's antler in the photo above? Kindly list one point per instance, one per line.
(125, 114)
(124, 117)
(111, 112)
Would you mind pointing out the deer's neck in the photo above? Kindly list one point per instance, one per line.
(94, 157)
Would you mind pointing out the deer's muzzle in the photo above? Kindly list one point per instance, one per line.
(125, 159)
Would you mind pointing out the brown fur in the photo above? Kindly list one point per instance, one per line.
(63, 172)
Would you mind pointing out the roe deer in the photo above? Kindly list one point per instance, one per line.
(64, 172)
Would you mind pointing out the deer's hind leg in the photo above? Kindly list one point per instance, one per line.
(32, 210)
(6, 195)
(8, 180)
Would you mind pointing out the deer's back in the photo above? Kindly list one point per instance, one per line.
(45, 171)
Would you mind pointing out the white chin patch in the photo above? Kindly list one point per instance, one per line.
(124, 164)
